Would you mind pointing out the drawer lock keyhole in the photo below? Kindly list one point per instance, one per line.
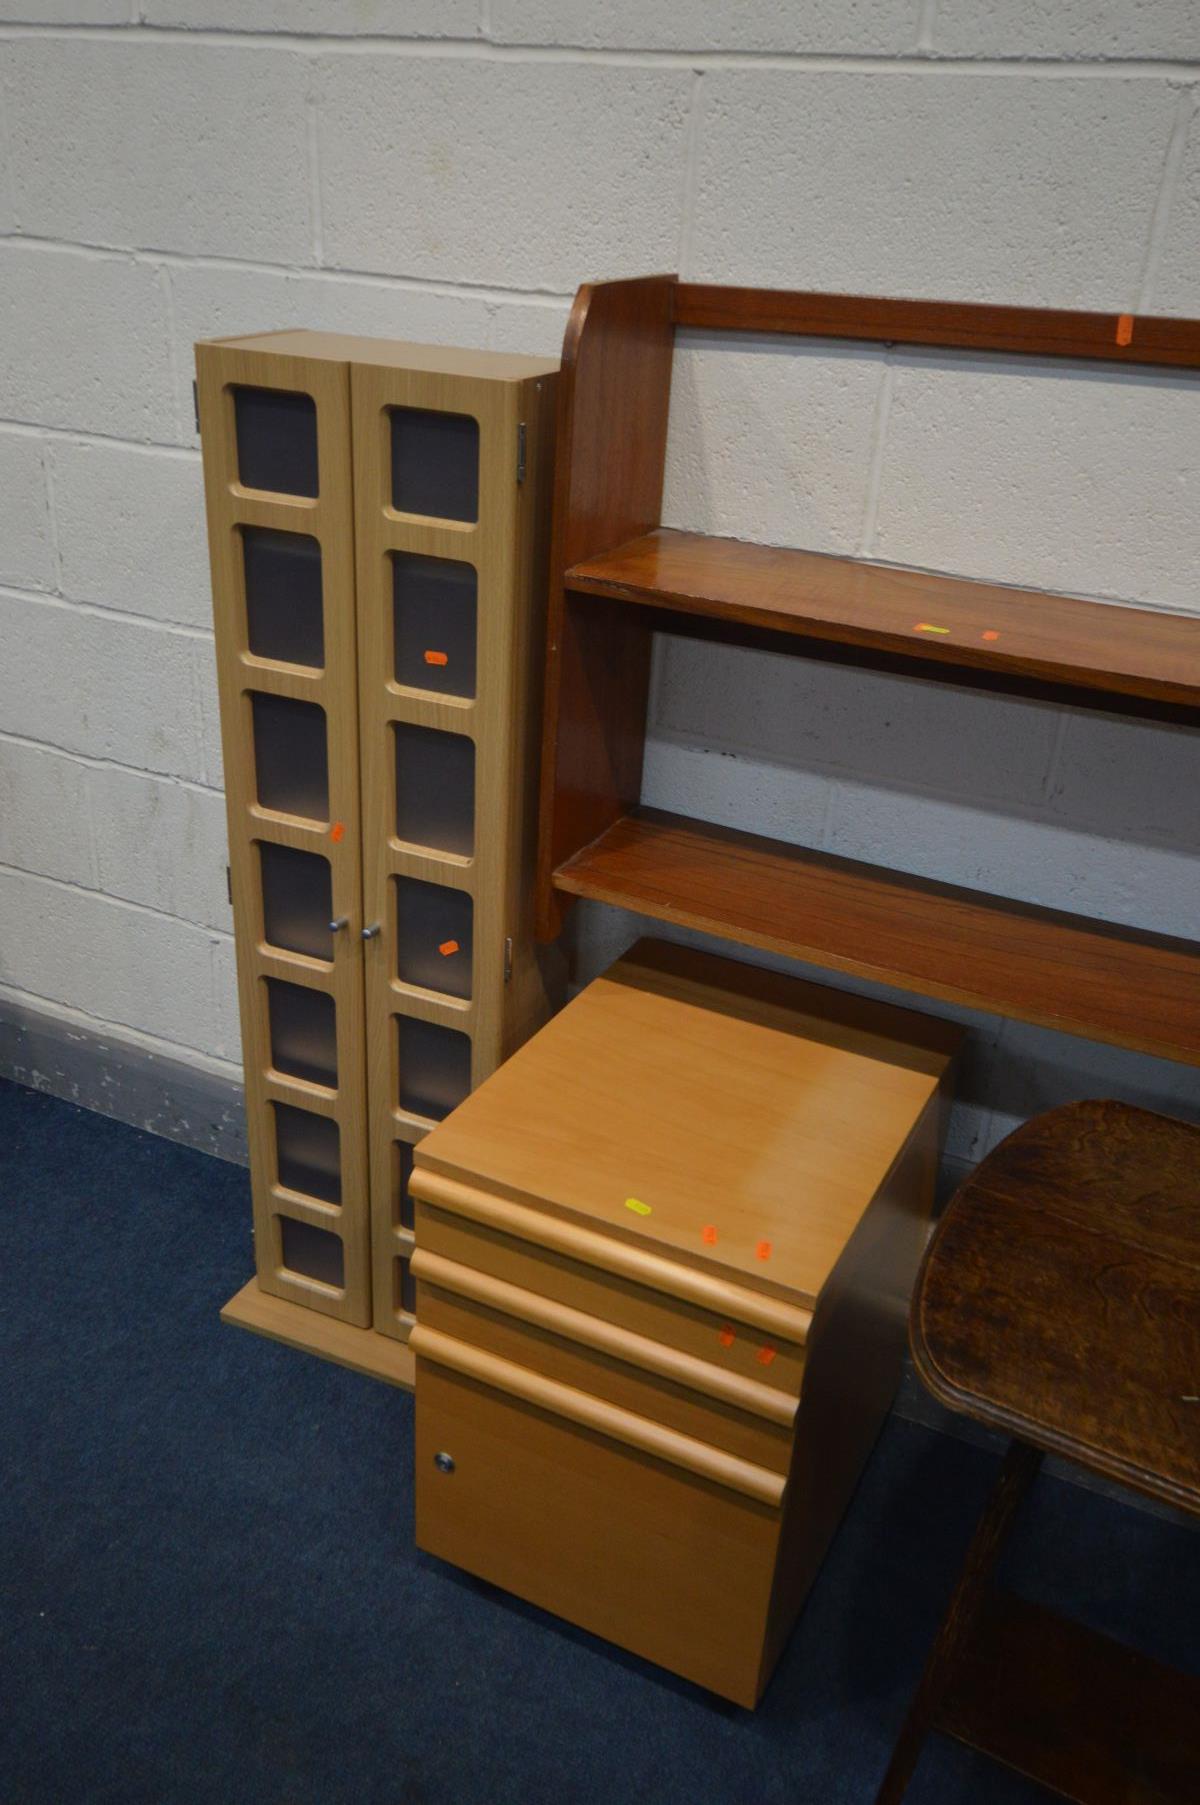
(444, 1463)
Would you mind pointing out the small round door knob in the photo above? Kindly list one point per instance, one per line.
(371, 932)
(444, 1463)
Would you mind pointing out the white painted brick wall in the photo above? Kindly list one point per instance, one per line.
(450, 170)
(131, 530)
(130, 144)
(771, 442)
(529, 175)
(1032, 475)
(1087, 30)
(161, 844)
(831, 27)
(44, 814)
(132, 967)
(205, 671)
(834, 720)
(104, 687)
(961, 185)
(349, 18)
(87, 342)
(1129, 776)
(66, 12)
(26, 551)
(1177, 279)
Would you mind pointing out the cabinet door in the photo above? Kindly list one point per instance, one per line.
(626, 1544)
(439, 514)
(277, 471)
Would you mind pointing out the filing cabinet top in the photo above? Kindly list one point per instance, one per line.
(739, 1120)
(389, 353)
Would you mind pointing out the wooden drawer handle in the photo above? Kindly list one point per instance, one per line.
(593, 1413)
(593, 1332)
(788, 1322)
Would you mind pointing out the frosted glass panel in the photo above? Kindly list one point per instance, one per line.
(276, 441)
(435, 788)
(406, 1288)
(297, 900)
(433, 936)
(435, 463)
(290, 757)
(402, 1165)
(307, 1153)
(303, 1032)
(312, 1252)
(433, 610)
(283, 596)
(435, 1067)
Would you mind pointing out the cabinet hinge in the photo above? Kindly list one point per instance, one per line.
(196, 402)
(508, 960)
(229, 884)
(521, 452)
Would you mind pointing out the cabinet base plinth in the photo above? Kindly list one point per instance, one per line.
(362, 1350)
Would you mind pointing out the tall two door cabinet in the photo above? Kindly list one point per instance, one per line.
(377, 520)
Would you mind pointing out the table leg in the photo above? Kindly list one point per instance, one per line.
(1020, 1468)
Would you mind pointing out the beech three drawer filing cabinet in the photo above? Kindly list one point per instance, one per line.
(663, 1262)
(377, 518)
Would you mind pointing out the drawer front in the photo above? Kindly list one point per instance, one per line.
(625, 1383)
(740, 1348)
(664, 1563)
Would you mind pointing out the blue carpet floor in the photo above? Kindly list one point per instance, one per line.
(210, 1593)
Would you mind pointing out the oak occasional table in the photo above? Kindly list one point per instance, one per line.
(1059, 1302)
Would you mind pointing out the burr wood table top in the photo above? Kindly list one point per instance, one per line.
(1060, 1298)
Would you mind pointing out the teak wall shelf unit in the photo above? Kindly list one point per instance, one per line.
(617, 576)
(376, 517)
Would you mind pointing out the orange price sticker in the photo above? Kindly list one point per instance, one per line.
(763, 1251)
(765, 1355)
(337, 831)
(726, 1336)
(1125, 329)
(708, 1235)
(990, 634)
(436, 658)
(447, 947)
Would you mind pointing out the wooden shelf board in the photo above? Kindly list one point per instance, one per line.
(1039, 637)
(362, 1350)
(1060, 971)
(1074, 1710)
(964, 325)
